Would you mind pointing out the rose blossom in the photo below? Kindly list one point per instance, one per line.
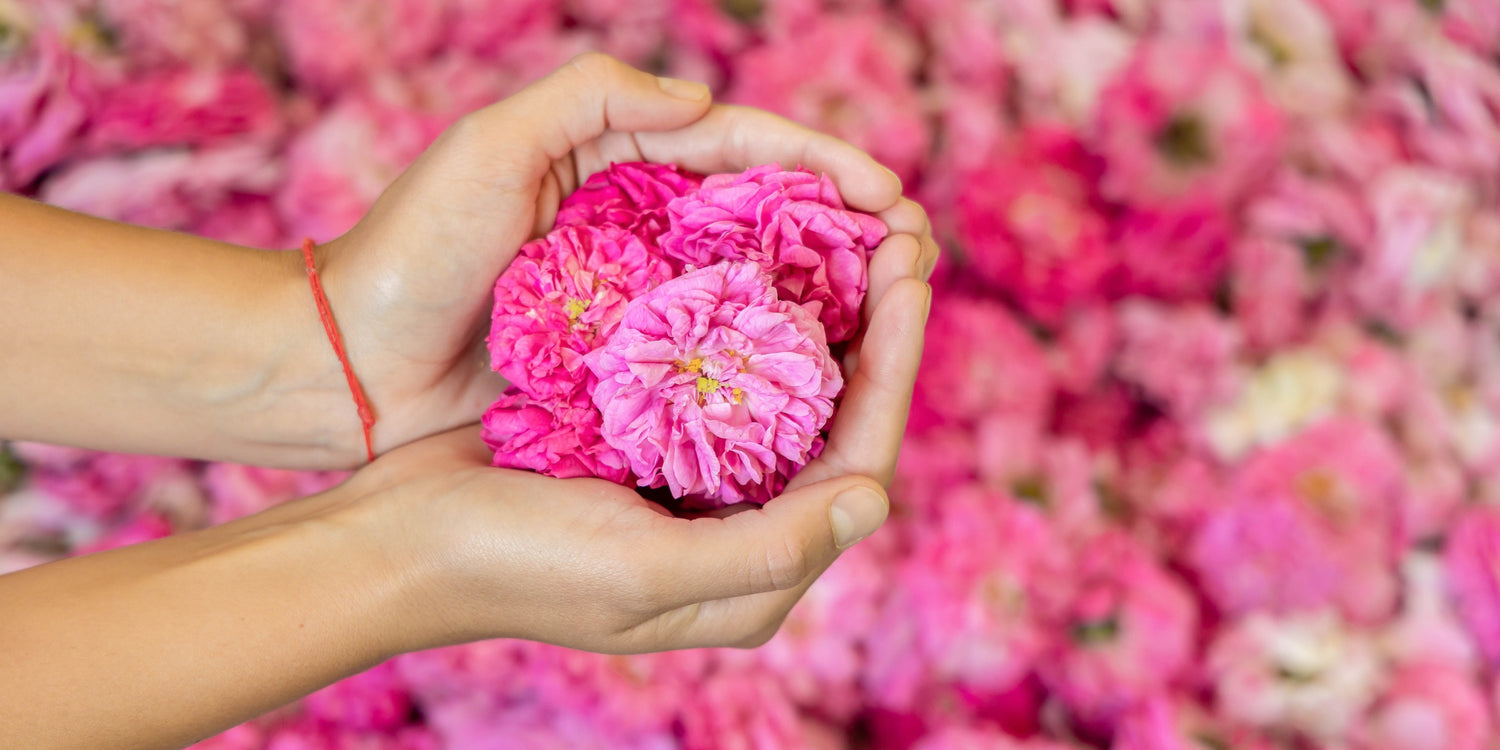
(183, 107)
(714, 387)
(558, 437)
(1027, 223)
(1129, 628)
(631, 196)
(1472, 563)
(1309, 673)
(794, 225)
(1307, 524)
(980, 361)
(1428, 707)
(1182, 357)
(1173, 723)
(560, 299)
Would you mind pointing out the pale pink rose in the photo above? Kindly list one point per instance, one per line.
(338, 165)
(1445, 99)
(1027, 222)
(1127, 631)
(483, 668)
(1428, 707)
(235, 491)
(1472, 563)
(1419, 216)
(845, 74)
(794, 225)
(1175, 723)
(635, 695)
(1291, 47)
(965, 610)
(632, 196)
(480, 722)
(1472, 23)
(714, 387)
(560, 299)
(1309, 674)
(183, 107)
(1180, 251)
(375, 700)
(1182, 120)
(558, 437)
(334, 45)
(1181, 358)
(1308, 523)
(980, 361)
(169, 189)
(1064, 67)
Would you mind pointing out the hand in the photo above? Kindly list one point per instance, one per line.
(411, 284)
(589, 564)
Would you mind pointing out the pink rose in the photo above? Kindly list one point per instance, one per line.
(375, 699)
(558, 437)
(1027, 223)
(46, 94)
(1177, 252)
(1181, 120)
(714, 387)
(849, 75)
(980, 362)
(631, 196)
(333, 45)
(560, 299)
(794, 226)
(1182, 358)
(1472, 562)
(235, 491)
(1428, 707)
(1311, 522)
(185, 107)
(1171, 723)
(1128, 630)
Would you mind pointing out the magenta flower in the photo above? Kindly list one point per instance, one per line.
(631, 196)
(714, 387)
(559, 438)
(793, 225)
(560, 299)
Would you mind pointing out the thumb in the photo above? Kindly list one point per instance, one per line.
(579, 102)
(780, 546)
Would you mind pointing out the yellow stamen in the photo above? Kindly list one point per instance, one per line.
(575, 308)
(735, 395)
(707, 386)
(694, 365)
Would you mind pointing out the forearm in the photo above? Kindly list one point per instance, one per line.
(137, 340)
(161, 644)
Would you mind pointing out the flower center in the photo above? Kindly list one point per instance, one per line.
(1184, 141)
(575, 308)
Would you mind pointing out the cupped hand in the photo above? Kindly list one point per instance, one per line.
(589, 564)
(411, 284)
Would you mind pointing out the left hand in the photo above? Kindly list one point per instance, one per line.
(411, 284)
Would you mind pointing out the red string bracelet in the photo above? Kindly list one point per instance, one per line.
(325, 313)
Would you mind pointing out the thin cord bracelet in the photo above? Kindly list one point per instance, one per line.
(325, 313)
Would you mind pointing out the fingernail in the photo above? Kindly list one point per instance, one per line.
(856, 513)
(692, 91)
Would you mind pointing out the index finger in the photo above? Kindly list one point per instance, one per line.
(733, 138)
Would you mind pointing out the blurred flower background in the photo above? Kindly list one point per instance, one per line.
(1206, 447)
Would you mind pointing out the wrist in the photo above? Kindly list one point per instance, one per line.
(294, 409)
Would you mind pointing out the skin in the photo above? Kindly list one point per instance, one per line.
(169, 344)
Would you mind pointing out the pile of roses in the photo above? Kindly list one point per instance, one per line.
(676, 330)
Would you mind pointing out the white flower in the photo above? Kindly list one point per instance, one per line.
(1289, 392)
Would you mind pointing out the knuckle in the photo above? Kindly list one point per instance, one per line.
(786, 565)
(595, 65)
